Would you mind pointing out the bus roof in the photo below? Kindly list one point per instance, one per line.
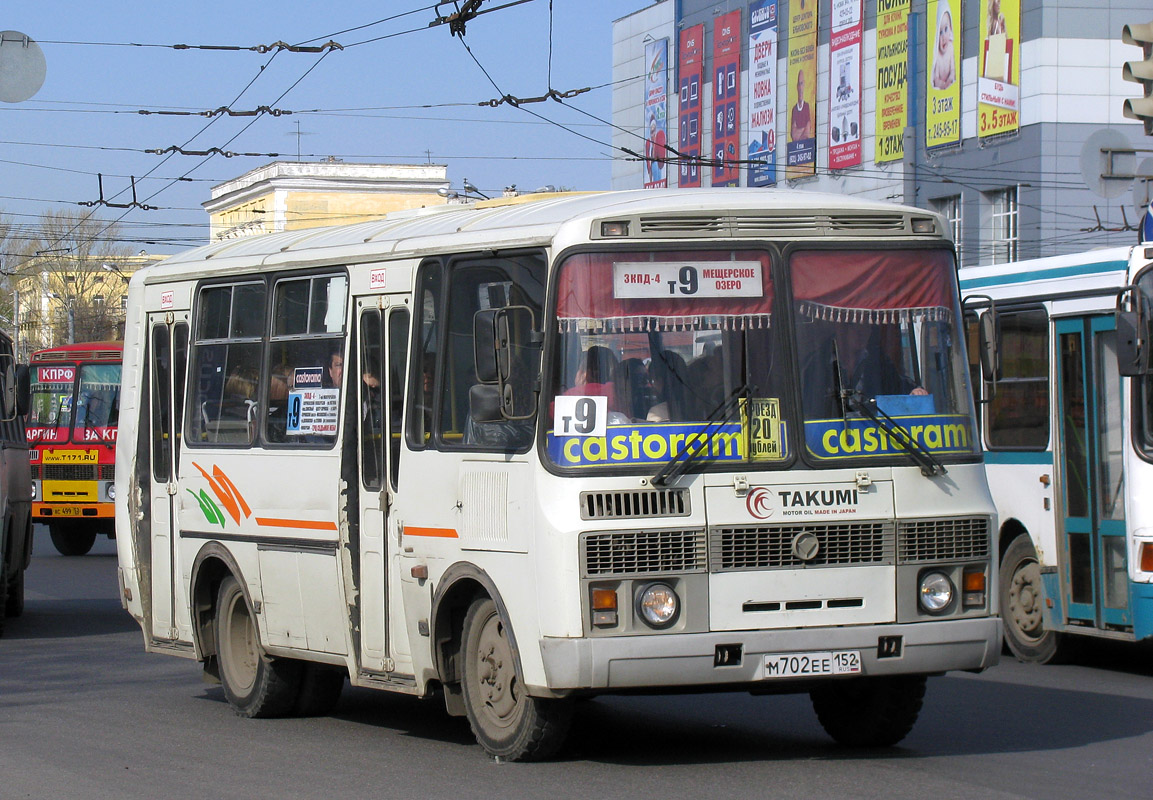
(80, 351)
(518, 221)
(1067, 268)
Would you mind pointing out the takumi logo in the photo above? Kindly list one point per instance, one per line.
(759, 502)
(57, 374)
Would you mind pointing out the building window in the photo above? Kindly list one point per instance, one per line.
(1003, 225)
(950, 209)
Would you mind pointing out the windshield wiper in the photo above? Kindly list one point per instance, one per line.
(718, 417)
(920, 455)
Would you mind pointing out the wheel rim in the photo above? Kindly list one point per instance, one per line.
(238, 652)
(1024, 606)
(498, 690)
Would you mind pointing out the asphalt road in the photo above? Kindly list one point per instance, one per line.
(85, 713)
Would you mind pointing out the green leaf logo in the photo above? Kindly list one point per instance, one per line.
(211, 511)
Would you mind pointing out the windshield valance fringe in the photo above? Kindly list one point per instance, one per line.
(873, 316)
(645, 324)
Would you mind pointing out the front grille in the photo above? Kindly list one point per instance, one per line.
(635, 503)
(107, 472)
(771, 546)
(943, 539)
(639, 552)
(69, 472)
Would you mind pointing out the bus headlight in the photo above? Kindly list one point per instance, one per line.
(35, 485)
(658, 605)
(111, 491)
(936, 592)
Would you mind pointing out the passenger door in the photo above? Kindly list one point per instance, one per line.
(380, 368)
(1092, 483)
(168, 355)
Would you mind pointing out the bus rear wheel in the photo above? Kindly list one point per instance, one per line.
(1022, 596)
(507, 721)
(869, 712)
(71, 540)
(255, 684)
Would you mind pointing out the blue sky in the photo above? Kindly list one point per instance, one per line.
(359, 104)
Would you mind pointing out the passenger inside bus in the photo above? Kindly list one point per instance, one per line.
(667, 376)
(852, 357)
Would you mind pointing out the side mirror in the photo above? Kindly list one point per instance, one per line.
(23, 389)
(1132, 333)
(484, 403)
(990, 348)
(988, 335)
(484, 345)
(517, 360)
(7, 387)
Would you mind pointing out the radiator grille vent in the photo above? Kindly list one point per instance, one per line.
(943, 539)
(633, 504)
(69, 472)
(771, 546)
(639, 552)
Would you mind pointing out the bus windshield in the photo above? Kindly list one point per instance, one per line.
(877, 331)
(97, 403)
(663, 355)
(50, 413)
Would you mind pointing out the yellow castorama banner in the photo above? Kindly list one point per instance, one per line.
(999, 67)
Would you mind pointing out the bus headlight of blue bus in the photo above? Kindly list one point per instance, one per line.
(658, 605)
(935, 592)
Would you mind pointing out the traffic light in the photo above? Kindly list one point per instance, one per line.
(1140, 72)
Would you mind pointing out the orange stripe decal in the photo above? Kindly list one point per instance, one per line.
(302, 524)
(438, 533)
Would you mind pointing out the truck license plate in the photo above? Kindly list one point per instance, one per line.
(805, 665)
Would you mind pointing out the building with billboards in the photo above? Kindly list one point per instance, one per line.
(1003, 115)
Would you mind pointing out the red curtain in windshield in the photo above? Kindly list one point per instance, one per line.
(873, 286)
(587, 293)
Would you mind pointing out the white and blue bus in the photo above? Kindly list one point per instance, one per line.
(1068, 443)
(529, 450)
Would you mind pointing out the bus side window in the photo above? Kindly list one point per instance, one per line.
(226, 364)
(1018, 412)
(422, 374)
(398, 322)
(476, 285)
(306, 357)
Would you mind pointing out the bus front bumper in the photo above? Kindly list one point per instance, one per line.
(690, 660)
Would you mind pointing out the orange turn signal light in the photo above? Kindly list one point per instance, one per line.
(974, 581)
(604, 599)
(1147, 556)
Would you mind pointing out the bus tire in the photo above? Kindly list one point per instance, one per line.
(70, 540)
(255, 684)
(320, 688)
(507, 722)
(869, 712)
(14, 596)
(1022, 596)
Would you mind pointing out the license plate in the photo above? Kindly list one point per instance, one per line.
(66, 511)
(806, 665)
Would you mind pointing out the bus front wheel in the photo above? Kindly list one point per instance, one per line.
(255, 684)
(869, 712)
(507, 722)
(1022, 596)
(71, 540)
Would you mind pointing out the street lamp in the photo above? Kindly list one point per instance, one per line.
(68, 303)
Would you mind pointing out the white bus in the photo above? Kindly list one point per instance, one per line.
(525, 451)
(1068, 446)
